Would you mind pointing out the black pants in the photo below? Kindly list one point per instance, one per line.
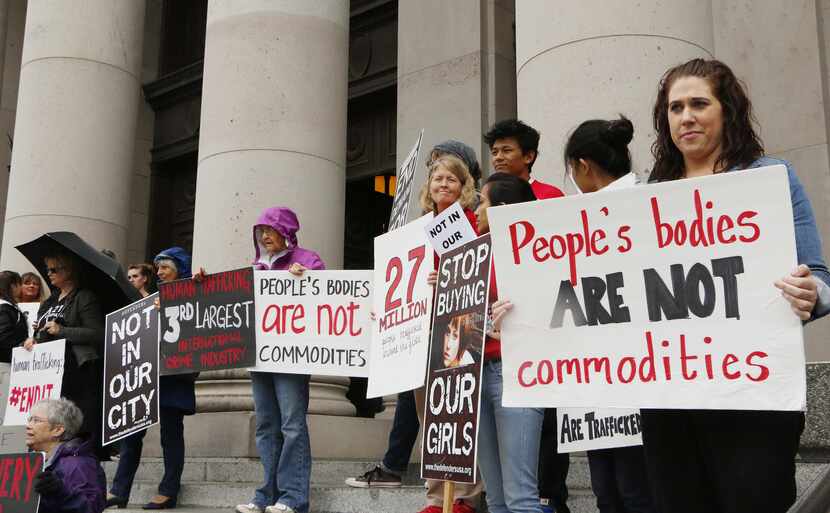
(618, 478)
(171, 422)
(722, 461)
(403, 435)
(83, 385)
(553, 467)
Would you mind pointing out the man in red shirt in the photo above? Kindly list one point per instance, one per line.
(514, 147)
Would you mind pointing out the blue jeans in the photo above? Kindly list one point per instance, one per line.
(403, 435)
(508, 449)
(171, 426)
(281, 403)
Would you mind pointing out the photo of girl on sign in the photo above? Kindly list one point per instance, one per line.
(462, 341)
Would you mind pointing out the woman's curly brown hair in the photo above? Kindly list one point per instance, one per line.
(740, 144)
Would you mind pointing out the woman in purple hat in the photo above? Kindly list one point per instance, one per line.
(281, 400)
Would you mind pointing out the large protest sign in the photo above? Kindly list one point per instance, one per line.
(450, 229)
(209, 324)
(17, 478)
(36, 375)
(658, 296)
(30, 311)
(314, 324)
(403, 188)
(402, 303)
(131, 360)
(12, 439)
(453, 393)
(588, 429)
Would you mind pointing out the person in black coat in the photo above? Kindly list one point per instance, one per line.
(13, 325)
(177, 398)
(73, 313)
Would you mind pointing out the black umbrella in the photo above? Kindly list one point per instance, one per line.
(98, 272)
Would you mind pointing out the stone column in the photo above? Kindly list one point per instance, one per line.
(597, 59)
(787, 102)
(75, 130)
(273, 132)
(140, 188)
(455, 75)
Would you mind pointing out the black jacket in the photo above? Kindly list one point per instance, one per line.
(13, 330)
(82, 324)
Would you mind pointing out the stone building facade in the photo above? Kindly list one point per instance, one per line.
(141, 124)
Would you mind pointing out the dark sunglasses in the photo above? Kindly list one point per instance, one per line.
(54, 270)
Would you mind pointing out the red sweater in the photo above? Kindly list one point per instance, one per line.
(543, 190)
(492, 346)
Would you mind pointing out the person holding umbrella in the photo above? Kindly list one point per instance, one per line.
(177, 398)
(73, 312)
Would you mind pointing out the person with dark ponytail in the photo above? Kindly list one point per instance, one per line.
(13, 325)
(597, 158)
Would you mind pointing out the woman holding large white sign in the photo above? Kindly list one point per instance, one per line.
(281, 400)
(727, 461)
(73, 312)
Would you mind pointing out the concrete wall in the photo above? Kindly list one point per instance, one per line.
(273, 126)
(75, 125)
(12, 25)
(455, 74)
(778, 50)
(140, 186)
(599, 58)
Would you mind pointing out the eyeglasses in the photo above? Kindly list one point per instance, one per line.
(36, 420)
(54, 270)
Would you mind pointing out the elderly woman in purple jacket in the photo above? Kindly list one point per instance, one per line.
(72, 480)
(281, 400)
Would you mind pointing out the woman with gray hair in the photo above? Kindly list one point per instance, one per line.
(72, 479)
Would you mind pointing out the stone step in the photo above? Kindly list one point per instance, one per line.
(215, 496)
(323, 472)
(202, 495)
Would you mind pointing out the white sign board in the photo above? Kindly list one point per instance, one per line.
(30, 311)
(12, 439)
(318, 323)
(588, 429)
(403, 309)
(403, 187)
(658, 296)
(36, 375)
(450, 229)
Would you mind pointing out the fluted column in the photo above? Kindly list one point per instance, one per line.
(273, 132)
(597, 59)
(76, 119)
